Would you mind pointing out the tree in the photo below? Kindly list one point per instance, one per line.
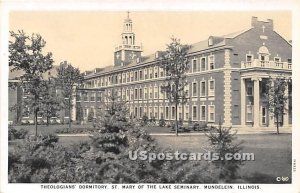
(276, 97)
(26, 55)
(222, 142)
(79, 112)
(68, 79)
(52, 102)
(175, 63)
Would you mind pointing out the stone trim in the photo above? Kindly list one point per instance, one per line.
(227, 89)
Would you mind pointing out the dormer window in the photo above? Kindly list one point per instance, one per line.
(210, 41)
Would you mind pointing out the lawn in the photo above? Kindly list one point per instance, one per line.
(273, 153)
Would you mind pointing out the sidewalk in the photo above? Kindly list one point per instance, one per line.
(239, 131)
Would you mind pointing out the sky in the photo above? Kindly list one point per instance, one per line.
(87, 39)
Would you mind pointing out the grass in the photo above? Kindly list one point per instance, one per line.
(273, 153)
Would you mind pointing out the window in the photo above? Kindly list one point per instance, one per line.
(85, 97)
(277, 59)
(135, 112)
(249, 58)
(146, 93)
(167, 112)
(203, 113)
(156, 92)
(211, 61)
(194, 61)
(156, 72)
(150, 93)
(211, 113)
(211, 88)
(136, 93)
(194, 113)
(146, 74)
(161, 110)
(195, 90)
(124, 78)
(180, 112)
(135, 76)
(187, 112)
(150, 112)
(173, 112)
(127, 94)
(203, 64)
(141, 75)
(141, 112)
(161, 93)
(161, 72)
(145, 111)
(249, 90)
(99, 97)
(150, 72)
(131, 76)
(249, 113)
(131, 94)
(128, 77)
(124, 95)
(156, 112)
(289, 63)
(203, 89)
(141, 93)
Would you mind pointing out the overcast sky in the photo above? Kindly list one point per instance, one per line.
(87, 39)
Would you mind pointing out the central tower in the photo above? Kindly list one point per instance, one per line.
(127, 50)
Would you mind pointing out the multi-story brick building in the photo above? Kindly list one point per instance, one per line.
(227, 78)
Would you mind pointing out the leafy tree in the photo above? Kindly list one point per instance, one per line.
(175, 63)
(68, 79)
(276, 97)
(26, 55)
(52, 102)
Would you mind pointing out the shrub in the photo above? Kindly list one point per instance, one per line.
(203, 125)
(180, 122)
(162, 122)
(16, 134)
(144, 121)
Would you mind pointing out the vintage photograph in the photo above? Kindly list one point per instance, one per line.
(151, 97)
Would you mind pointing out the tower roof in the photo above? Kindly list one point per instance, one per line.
(128, 20)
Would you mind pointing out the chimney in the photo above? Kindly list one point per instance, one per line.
(253, 21)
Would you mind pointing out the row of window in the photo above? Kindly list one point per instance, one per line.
(169, 113)
(203, 64)
(250, 57)
(206, 112)
(197, 65)
(153, 92)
